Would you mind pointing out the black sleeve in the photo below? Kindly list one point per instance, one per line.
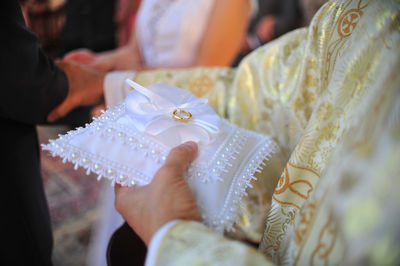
(31, 85)
(287, 18)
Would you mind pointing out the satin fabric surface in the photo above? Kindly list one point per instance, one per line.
(329, 96)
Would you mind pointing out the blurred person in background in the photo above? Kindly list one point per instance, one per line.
(165, 34)
(177, 34)
(274, 18)
(34, 91)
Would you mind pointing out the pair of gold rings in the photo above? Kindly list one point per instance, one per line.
(181, 115)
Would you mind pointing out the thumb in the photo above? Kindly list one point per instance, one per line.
(181, 156)
(83, 56)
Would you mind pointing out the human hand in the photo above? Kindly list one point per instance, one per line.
(82, 56)
(265, 29)
(85, 88)
(166, 198)
(120, 59)
(103, 62)
(98, 110)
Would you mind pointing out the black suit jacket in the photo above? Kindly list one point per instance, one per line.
(30, 86)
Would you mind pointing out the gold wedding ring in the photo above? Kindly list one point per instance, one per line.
(181, 115)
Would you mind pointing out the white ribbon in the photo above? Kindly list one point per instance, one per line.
(151, 109)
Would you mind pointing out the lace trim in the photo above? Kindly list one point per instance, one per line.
(222, 159)
(230, 211)
(106, 127)
(103, 167)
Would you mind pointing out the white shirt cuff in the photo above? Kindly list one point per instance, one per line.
(115, 88)
(155, 243)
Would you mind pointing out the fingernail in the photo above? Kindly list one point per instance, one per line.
(191, 144)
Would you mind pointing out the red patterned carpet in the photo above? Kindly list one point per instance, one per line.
(72, 197)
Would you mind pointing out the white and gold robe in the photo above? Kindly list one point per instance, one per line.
(329, 95)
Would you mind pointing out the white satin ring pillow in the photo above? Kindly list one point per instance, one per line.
(129, 143)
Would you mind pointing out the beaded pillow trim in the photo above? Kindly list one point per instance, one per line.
(240, 155)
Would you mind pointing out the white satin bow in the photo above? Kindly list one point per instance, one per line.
(151, 109)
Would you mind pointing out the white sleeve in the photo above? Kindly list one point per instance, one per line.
(155, 243)
(115, 88)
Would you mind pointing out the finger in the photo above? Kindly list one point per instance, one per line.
(117, 188)
(77, 52)
(180, 157)
(61, 64)
(72, 56)
(102, 64)
(123, 196)
(123, 189)
(79, 57)
(60, 111)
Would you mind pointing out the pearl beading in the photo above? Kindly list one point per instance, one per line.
(222, 160)
(107, 127)
(228, 215)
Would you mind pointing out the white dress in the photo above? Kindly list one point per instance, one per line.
(169, 33)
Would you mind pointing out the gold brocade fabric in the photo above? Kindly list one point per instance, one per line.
(330, 97)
